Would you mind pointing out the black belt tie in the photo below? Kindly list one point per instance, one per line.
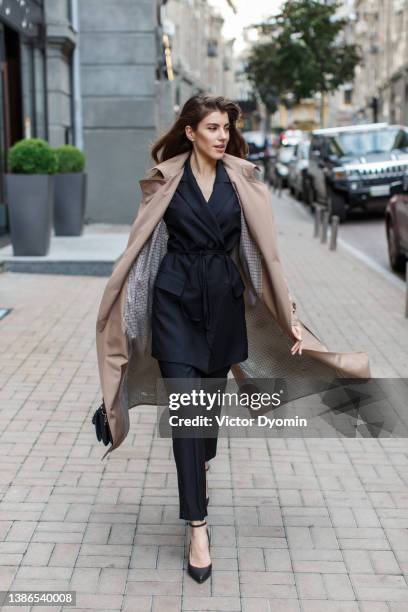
(203, 278)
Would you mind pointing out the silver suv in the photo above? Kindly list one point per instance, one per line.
(357, 167)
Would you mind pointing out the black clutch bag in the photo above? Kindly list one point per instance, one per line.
(100, 420)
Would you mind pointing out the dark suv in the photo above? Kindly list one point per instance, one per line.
(358, 166)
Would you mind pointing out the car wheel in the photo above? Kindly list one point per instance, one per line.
(336, 205)
(397, 259)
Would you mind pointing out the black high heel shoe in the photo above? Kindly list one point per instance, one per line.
(200, 574)
(207, 499)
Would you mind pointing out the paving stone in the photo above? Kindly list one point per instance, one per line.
(310, 605)
(377, 587)
(338, 586)
(310, 586)
(21, 531)
(343, 517)
(144, 556)
(374, 606)
(277, 561)
(358, 561)
(38, 554)
(384, 562)
(98, 533)
(225, 584)
(85, 579)
(216, 604)
(7, 575)
(112, 581)
(166, 604)
(255, 604)
(64, 555)
(99, 601)
(132, 603)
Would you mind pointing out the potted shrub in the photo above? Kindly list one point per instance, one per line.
(70, 192)
(30, 191)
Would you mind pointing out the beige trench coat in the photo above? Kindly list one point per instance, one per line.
(128, 373)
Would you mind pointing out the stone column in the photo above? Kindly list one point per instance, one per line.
(118, 54)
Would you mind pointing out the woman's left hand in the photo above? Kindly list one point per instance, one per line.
(297, 347)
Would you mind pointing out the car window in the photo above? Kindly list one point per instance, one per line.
(370, 141)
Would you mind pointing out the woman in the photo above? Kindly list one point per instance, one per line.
(200, 290)
(200, 331)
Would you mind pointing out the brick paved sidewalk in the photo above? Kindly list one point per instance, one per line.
(297, 524)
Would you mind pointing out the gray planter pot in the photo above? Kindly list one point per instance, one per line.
(69, 203)
(30, 202)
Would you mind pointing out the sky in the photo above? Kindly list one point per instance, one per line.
(248, 12)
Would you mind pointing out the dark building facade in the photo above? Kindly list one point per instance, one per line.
(23, 103)
(83, 72)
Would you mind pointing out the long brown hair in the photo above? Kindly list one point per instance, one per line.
(175, 141)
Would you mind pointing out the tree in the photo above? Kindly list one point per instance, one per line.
(301, 52)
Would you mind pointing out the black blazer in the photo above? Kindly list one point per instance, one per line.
(198, 310)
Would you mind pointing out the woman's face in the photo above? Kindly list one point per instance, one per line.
(211, 137)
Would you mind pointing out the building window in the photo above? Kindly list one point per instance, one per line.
(212, 48)
(348, 96)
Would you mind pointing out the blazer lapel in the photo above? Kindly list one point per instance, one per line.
(193, 196)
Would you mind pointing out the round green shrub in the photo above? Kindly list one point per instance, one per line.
(70, 159)
(32, 156)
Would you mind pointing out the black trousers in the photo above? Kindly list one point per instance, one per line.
(190, 454)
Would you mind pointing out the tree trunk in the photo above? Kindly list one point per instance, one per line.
(322, 101)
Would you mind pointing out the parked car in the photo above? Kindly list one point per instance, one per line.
(356, 167)
(279, 168)
(291, 137)
(396, 226)
(260, 147)
(256, 145)
(298, 169)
